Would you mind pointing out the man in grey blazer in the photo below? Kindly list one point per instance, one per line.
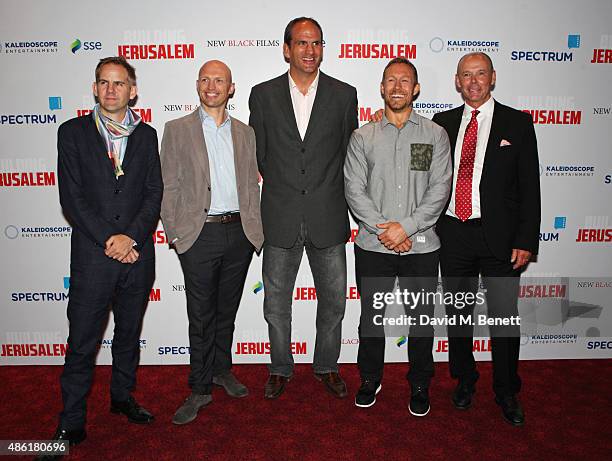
(211, 215)
(303, 120)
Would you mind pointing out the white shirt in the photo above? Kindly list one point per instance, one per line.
(484, 119)
(302, 104)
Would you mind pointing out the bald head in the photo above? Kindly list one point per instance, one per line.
(480, 54)
(215, 66)
(214, 86)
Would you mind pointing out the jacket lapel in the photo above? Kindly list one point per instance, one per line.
(287, 105)
(199, 144)
(319, 107)
(133, 143)
(453, 130)
(98, 147)
(493, 141)
(239, 162)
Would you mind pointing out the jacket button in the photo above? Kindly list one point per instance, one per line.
(303, 171)
(117, 217)
(208, 187)
(304, 192)
(303, 150)
(205, 210)
(117, 191)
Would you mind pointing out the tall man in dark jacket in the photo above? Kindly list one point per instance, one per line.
(303, 120)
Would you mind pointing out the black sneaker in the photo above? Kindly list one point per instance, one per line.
(419, 401)
(366, 395)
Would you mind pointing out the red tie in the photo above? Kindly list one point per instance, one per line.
(463, 190)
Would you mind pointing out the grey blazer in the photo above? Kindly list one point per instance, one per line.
(186, 176)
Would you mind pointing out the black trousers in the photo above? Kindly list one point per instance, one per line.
(376, 272)
(464, 255)
(93, 288)
(215, 269)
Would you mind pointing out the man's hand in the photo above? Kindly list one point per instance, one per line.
(118, 246)
(520, 258)
(404, 247)
(131, 258)
(377, 116)
(393, 235)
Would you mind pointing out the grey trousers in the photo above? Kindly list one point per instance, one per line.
(280, 268)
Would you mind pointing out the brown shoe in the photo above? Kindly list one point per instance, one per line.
(275, 386)
(333, 382)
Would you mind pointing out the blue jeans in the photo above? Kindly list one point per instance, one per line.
(280, 268)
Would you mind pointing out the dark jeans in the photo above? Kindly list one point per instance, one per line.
(280, 268)
(215, 269)
(465, 255)
(92, 289)
(378, 272)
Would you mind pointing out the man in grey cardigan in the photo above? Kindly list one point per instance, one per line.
(397, 181)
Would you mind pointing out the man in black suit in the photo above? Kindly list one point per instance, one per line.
(303, 120)
(490, 226)
(110, 190)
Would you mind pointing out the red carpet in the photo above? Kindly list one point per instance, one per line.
(568, 408)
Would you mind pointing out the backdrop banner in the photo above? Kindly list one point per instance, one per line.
(553, 59)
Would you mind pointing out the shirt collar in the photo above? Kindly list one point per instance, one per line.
(486, 109)
(312, 87)
(205, 117)
(414, 118)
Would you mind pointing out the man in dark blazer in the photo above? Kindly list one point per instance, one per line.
(110, 189)
(211, 215)
(303, 120)
(490, 226)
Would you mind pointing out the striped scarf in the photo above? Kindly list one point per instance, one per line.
(115, 135)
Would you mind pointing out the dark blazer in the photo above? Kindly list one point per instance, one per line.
(98, 205)
(303, 180)
(510, 182)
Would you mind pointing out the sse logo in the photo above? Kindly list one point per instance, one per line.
(592, 345)
(85, 46)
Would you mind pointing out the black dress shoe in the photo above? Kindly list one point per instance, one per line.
(511, 408)
(134, 412)
(462, 395)
(73, 437)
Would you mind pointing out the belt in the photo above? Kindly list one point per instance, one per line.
(476, 222)
(224, 218)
